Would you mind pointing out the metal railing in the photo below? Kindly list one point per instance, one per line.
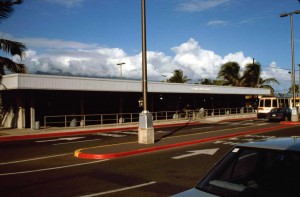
(90, 120)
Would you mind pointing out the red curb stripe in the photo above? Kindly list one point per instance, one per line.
(147, 150)
(290, 123)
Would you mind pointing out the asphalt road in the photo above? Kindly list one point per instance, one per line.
(47, 167)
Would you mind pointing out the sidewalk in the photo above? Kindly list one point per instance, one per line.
(8, 134)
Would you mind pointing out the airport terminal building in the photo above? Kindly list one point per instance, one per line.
(26, 98)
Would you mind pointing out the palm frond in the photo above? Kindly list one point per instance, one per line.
(230, 72)
(251, 75)
(6, 63)
(269, 81)
(6, 8)
(178, 77)
(12, 47)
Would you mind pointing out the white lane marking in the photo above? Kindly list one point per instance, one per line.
(37, 158)
(198, 152)
(48, 169)
(61, 139)
(263, 124)
(119, 190)
(75, 142)
(129, 133)
(110, 135)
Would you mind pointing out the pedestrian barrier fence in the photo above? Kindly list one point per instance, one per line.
(73, 121)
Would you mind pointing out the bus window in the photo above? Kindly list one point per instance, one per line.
(274, 103)
(267, 103)
(261, 103)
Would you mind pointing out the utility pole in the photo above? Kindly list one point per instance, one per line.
(146, 130)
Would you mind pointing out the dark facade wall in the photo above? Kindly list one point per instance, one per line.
(48, 103)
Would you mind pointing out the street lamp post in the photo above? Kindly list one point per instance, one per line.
(121, 64)
(299, 90)
(294, 111)
(146, 130)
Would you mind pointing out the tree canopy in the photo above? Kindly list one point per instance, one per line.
(231, 74)
(178, 77)
(8, 46)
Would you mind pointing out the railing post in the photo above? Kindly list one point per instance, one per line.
(66, 123)
(84, 119)
(45, 122)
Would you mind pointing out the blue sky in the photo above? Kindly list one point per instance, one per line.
(89, 37)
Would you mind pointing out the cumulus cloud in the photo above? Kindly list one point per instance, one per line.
(200, 5)
(67, 57)
(91, 60)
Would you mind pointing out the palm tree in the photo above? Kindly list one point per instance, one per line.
(206, 81)
(230, 73)
(8, 46)
(178, 77)
(251, 75)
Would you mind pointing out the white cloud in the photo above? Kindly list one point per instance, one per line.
(91, 60)
(200, 5)
(66, 3)
(216, 23)
(54, 43)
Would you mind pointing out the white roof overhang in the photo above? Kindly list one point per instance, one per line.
(50, 82)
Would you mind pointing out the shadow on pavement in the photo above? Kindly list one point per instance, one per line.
(172, 132)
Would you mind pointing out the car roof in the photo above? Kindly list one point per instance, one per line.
(282, 143)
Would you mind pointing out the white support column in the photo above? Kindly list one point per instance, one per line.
(8, 117)
(32, 117)
(21, 118)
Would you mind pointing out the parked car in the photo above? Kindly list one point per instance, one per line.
(263, 168)
(278, 114)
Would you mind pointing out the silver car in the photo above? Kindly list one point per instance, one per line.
(263, 168)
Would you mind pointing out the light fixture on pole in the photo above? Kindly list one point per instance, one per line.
(294, 111)
(121, 64)
(146, 130)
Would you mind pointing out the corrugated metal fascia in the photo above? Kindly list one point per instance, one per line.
(205, 89)
(50, 82)
(10, 82)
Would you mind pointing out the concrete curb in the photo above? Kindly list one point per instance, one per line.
(84, 154)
